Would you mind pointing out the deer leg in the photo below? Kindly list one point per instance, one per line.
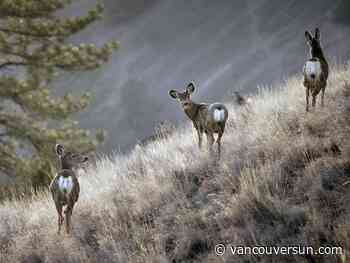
(210, 140)
(68, 211)
(199, 133)
(322, 97)
(313, 100)
(307, 99)
(60, 217)
(218, 140)
(68, 218)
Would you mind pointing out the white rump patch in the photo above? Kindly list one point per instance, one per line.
(65, 184)
(219, 115)
(313, 70)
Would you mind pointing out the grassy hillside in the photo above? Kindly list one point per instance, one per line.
(284, 179)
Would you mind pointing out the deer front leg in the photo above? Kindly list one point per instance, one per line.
(199, 133)
(307, 99)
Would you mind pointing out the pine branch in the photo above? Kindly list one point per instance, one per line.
(30, 8)
(12, 63)
(26, 33)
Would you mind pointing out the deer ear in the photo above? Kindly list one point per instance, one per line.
(308, 36)
(59, 149)
(317, 33)
(190, 87)
(173, 94)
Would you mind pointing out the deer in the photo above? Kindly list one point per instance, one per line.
(65, 187)
(207, 118)
(315, 70)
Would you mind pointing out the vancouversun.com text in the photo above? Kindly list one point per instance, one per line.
(222, 249)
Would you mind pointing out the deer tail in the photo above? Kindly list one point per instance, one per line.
(218, 112)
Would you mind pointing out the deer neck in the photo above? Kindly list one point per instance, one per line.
(192, 111)
(318, 53)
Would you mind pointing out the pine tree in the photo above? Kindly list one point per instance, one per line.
(34, 51)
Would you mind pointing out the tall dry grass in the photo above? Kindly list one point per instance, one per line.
(283, 179)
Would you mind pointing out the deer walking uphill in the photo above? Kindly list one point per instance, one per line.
(316, 69)
(65, 186)
(207, 118)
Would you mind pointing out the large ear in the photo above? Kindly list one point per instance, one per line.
(173, 93)
(190, 87)
(317, 33)
(59, 149)
(308, 36)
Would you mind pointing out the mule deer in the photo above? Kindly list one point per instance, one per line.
(208, 118)
(65, 186)
(241, 100)
(316, 69)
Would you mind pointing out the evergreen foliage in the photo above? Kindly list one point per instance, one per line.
(34, 51)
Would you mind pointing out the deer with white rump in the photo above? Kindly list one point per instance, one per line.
(316, 69)
(207, 118)
(65, 186)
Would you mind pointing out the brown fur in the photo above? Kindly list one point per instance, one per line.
(68, 161)
(201, 116)
(316, 52)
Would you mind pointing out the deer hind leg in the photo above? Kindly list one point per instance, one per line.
(218, 140)
(210, 140)
(68, 212)
(200, 135)
(60, 217)
(307, 98)
(313, 101)
(322, 95)
(68, 219)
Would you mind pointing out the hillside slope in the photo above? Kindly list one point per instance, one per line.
(224, 46)
(284, 179)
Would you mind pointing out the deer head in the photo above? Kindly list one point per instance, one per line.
(184, 98)
(69, 160)
(314, 43)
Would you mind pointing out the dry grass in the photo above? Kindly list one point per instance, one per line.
(284, 179)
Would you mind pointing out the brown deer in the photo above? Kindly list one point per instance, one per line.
(65, 186)
(316, 69)
(207, 118)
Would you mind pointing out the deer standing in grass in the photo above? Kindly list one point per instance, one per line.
(65, 186)
(316, 69)
(207, 118)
